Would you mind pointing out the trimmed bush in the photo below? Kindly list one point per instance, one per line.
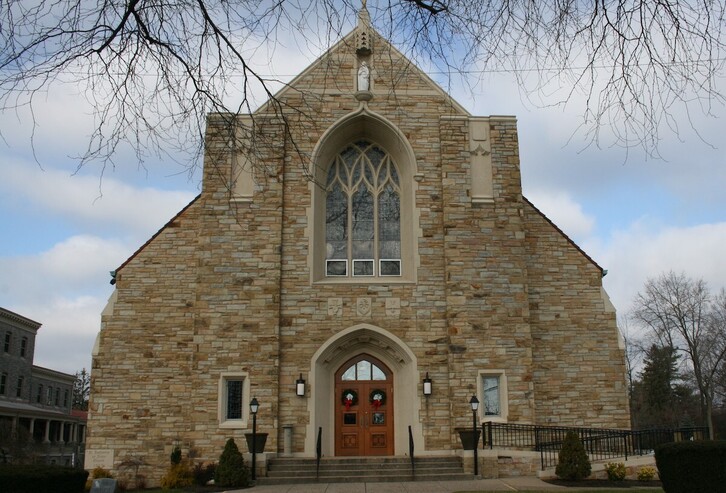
(646, 473)
(100, 473)
(692, 466)
(41, 479)
(616, 471)
(231, 470)
(178, 476)
(573, 463)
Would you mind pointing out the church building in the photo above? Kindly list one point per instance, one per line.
(361, 261)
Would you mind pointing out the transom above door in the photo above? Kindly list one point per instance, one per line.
(364, 407)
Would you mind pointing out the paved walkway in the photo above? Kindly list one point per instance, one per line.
(504, 484)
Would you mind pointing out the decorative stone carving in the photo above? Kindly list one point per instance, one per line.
(393, 307)
(335, 307)
(480, 149)
(363, 307)
(363, 39)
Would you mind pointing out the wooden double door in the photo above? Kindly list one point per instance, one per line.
(364, 408)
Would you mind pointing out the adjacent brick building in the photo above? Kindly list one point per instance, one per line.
(37, 421)
(361, 232)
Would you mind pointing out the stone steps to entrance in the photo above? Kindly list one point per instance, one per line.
(363, 469)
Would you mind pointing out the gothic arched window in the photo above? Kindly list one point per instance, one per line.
(362, 213)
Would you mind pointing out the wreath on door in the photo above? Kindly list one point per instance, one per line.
(377, 398)
(349, 398)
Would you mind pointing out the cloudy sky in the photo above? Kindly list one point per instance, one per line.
(64, 229)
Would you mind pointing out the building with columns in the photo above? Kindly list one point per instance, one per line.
(36, 415)
(359, 235)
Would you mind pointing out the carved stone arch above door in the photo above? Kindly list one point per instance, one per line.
(392, 352)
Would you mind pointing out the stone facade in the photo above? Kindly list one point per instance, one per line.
(233, 286)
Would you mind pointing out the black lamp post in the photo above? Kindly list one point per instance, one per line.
(474, 402)
(254, 406)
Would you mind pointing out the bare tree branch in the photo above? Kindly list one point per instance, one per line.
(153, 70)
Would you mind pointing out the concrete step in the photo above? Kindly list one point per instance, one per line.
(363, 469)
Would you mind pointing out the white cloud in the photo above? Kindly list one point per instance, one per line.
(64, 288)
(644, 251)
(562, 209)
(108, 204)
(69, 329)
(79, 264)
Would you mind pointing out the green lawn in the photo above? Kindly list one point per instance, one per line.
(590, 490)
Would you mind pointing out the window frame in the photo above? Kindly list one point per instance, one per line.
(385, 175)
(3, 383)
(503, 396)
(19, 388)
(234, 423)
(8, 341)
(365, 125)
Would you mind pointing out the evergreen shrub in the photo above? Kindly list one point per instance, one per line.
(692, 466)
(231, 470)
(176, 456)
(573, 463)
(41, 479)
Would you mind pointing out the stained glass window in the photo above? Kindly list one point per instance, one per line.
(234, 399)
(363, 214)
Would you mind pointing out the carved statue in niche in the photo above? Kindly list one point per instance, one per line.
(364, 77)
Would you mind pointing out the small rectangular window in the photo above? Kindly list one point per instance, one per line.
(363, 267)
(234, 399)
(23, 346)
(65, 398)
(19, 392)
(49, 396)
(3, 382)
(57, 396)
(336, 268)
(8, 337)
(39, 395)
(492, 401)
(390, 267)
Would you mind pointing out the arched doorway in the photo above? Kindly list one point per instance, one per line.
(364, 408)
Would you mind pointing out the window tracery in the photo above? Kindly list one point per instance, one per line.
(363, 213)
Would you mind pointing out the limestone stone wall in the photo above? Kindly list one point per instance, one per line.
(143, 374)
(579, 371)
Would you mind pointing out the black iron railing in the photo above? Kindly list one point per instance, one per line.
(318, 452)
(410, 449)
(600, 443)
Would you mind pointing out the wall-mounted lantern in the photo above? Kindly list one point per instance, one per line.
(300, 386)
(427, 387)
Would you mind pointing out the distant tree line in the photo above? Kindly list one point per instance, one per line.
(677, 363)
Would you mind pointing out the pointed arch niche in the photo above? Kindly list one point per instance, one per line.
(389, 349)
(364, 125)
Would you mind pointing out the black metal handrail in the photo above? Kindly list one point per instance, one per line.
(318, 452)
(410, 449)
(600, 443)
